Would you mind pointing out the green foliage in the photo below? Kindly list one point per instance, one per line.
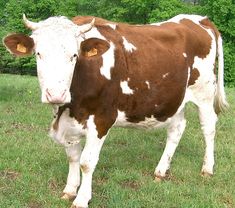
(221, 12)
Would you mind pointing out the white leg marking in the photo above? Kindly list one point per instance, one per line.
(73, 181)
(208, 120)
(88, 161)
(174, 131)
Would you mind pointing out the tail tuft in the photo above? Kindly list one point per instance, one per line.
(220, 102)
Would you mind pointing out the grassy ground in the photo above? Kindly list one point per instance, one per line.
(33, 169)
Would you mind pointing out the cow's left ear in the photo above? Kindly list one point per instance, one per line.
(94, 47)
(19, 44)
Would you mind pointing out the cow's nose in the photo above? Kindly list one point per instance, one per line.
(56, 96)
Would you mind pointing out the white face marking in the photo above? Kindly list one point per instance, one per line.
(69, 131)
(148, 84)
(108, 62)
(165, 75)
(128, 46)
(113, 26)
(56, 49)
(125, 88)
(185, 55)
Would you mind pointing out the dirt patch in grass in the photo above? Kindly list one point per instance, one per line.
(9, 174)
(228, 201)
(134, 185)
(55, 187)
(34, 204)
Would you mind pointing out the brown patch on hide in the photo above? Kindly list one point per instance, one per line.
(194, 74)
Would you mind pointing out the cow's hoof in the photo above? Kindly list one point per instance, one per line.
(159, 178)
(206, 174)
(68, 197)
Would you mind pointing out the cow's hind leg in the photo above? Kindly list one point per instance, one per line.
(73, 181)
(208, 120)
(174, 134)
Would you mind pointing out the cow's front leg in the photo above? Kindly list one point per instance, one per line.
(73, 181)
(88, 161)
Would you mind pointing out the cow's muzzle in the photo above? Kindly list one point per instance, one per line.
(53, 96)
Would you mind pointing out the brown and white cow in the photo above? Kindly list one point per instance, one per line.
(99, 74)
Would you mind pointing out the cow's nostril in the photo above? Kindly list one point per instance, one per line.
(55, 96)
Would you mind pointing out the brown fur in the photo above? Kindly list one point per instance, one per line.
(159, 51)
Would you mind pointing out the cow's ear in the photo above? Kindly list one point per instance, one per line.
(94, 47)
(19, 44)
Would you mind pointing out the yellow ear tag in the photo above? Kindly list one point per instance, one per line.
(21, 48)
(92, 52)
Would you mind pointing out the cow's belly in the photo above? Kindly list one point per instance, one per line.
(148, 123)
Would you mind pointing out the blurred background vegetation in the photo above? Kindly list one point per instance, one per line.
(221, 12)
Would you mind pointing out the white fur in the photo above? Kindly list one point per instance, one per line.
(195, 18)
(174, 133)
(148, 84)
(165, 75)
(73, 180)
(148, 123)
(129, 47)
(125, 88)
(108, 62)
(88, 161)
(69, 131)
(113, 26)
(56, 42)
(94, 33)
(185, 55)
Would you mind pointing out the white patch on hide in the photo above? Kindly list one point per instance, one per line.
(148, 84)
(113, 26)
(125, 88)
(185, 55)
(165, 75)
(128, 46)
(148, 123)
(108, 62)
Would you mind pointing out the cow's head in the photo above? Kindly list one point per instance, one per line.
(56, 44)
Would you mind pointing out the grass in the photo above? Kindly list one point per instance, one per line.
(33, 169)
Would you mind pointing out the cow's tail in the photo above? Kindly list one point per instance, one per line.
(220, 103)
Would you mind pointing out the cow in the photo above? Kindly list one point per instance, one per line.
(98, 74)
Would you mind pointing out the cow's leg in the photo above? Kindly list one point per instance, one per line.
(208, 120)
(88, 161)
(174, 133)
(73, 181)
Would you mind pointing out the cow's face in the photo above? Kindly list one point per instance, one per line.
(55, 42)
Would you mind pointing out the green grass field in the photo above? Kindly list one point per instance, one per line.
(33, 169)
